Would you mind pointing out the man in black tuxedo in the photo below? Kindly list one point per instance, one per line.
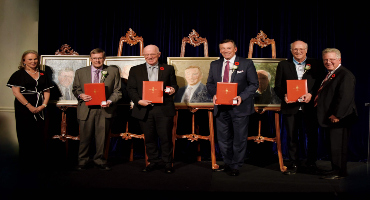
(336, 109)
(156, 120)
(232, 120)
(297, 113)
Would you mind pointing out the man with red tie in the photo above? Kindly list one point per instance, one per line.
(336, 110)
(232, 120)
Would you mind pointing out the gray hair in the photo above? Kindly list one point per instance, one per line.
(332, 50)
(291, 45)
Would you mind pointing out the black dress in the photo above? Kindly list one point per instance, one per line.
(29, 126)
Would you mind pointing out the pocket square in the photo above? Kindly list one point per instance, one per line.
(238, 72)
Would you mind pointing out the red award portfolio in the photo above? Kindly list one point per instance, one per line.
(226, 92)
(97, 93)
(153, 91)
(296, 88)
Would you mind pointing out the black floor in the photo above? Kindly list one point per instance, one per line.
(193, 180)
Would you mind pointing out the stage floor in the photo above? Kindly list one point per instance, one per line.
(191, 180)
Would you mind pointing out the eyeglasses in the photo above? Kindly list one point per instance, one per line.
(153, 54)
(296, 50)
(331, 60)
(97, 58)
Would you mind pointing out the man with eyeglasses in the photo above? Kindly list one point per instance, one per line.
(156, 119)
(300, 116)
(95, 121)
(336, 110)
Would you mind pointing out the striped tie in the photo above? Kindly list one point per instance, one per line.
(318, 91)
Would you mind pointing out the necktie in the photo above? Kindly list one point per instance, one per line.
(318, 91)
(96, 76)
(226, 72)
(66, 94)
(187, 95)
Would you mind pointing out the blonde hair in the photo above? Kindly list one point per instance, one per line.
(22, 65)
(332, 50)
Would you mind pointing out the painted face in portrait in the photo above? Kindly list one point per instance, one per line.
(193, 76)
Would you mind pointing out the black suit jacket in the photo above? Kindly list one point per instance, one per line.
(337, 98)
(138, 74)
(245, 76)
(286, 70)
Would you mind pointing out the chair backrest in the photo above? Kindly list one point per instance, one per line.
(131, 39)
(195, 41)
(65, 49)
(263, 41)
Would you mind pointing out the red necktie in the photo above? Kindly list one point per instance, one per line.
(226, 73)
(318, 91)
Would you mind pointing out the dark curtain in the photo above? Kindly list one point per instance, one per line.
(86, 25)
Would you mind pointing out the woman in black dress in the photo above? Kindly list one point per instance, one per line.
(31, 88)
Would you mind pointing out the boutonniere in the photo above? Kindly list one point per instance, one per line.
(235, 66)
(41, 74)
(103, 75)
(333, 76)
(161, 68)
(307, 67)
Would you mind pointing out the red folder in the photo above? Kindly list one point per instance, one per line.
(296, 88)
(153, 91)
(97, 93)
(226, 92)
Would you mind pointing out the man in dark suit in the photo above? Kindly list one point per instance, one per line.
(95, 121)
(156, 120)
(297, 113)
(336, 109)
(232, 121)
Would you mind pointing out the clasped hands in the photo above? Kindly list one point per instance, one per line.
(147, 102)
(35, 110)
(86, 97)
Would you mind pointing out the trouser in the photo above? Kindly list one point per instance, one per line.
(95, 126)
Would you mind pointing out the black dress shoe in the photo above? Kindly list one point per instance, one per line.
(168, 169)
(223, 168)
(332, 177)
(291, 170)
(151, 167)
(234, 172)
(81, 167)
(104, 167)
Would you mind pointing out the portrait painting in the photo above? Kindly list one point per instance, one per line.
(191, 75)
(266, 72)
(124, 63)
(61, 70)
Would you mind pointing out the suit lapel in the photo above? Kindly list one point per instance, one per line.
(104, 69)
(219, 70)
(145, 72)
(234, 71)
(160, 72)
(292, 69)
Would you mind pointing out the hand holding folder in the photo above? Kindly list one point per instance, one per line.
(296, 89)
(97, 93)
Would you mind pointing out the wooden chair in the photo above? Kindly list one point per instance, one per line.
(131, 39)
(263, 41)
(194, 40)
(65, 49)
